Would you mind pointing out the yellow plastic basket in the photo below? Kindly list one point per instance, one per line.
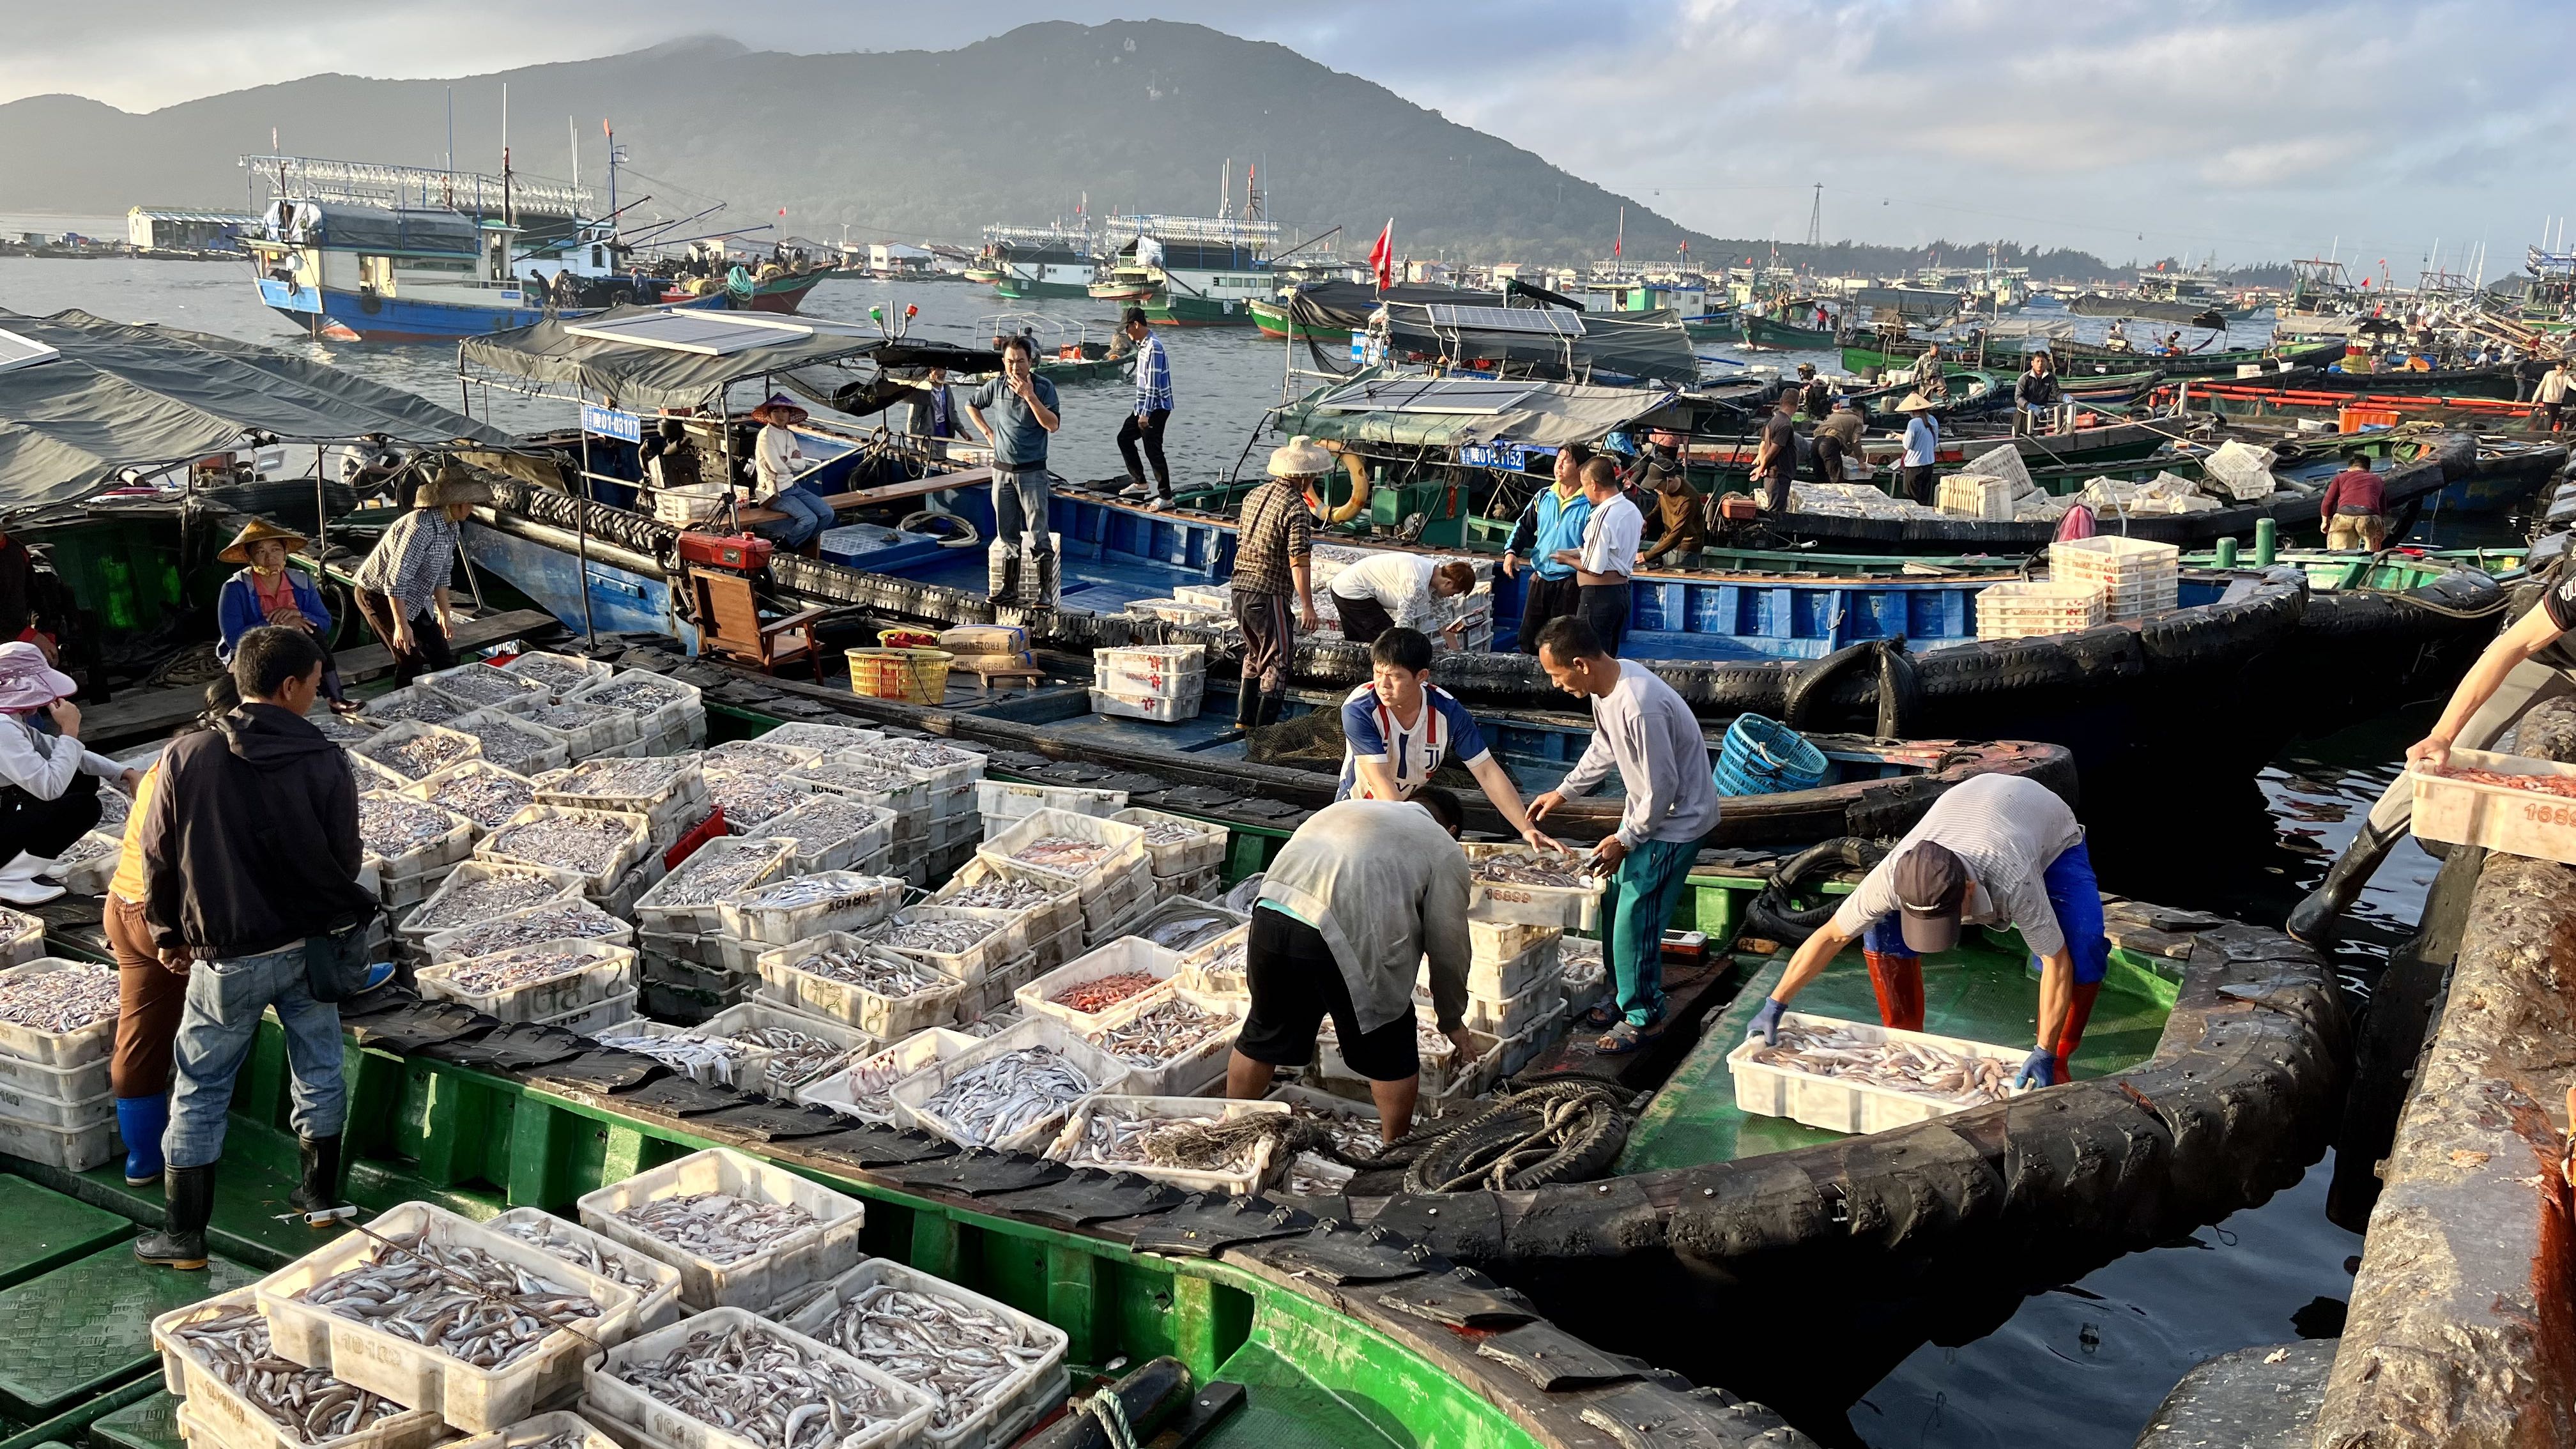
(909, 676)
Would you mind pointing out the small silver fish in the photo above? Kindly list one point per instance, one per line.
(582, 841)
(718, 1226)
(419, 1290)
(756, 1383)
(1008, 1095)
(58, 1001)
(960, 1355)
(1163, 1033)
(310, 1405)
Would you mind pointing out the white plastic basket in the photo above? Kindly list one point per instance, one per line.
(852, 901)
(608, 971)
(514, 744)
(1164, 671)
(1575, 908)
(472, 1399)
(1012, 799)
(20, 1080)
(478, 685)
(389, 749)
(1116, 958)
(588, 728)
(226, 1419)
(1202, 850)
(911, 1095)
(82, 1044)
(492, 786)
(809, 1255)
(833, 832)
(1510, 1016)
(887, 1018)
(1252, 1178)
(664, 789)
(681, 902)
(664, 1425)
(1189, 1071)
(742, 1068)
(457, 903)
(1218, 967)
(2536, 823)
(590, 1020)
(447, 848)
(753, 795)
(1126, 848)
(411, 704)
(22, 937)
(1838, 1105)
(1157, 709)
(656, 1283)
(74, 1149)
(860, 1088)
(503, 932)
(823, 740)
(599, 879)
(955, 770)
(776, 1077)
(2028, 610)
(561, 674)
(544, 1427)
(40, 1109)
(1006, 1410)
(1007, 939)
(862, 777)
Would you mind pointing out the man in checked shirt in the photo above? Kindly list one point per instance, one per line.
(1145, 422)
(1273, 548)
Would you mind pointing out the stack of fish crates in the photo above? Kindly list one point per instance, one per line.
(1973, 495)
(1187, 856)
(1005, 803)
(870, 781)
(412, 844)
(947, 775)
(57, 1026)
(1583, 974)
(1165, 683)
(2022, 610)
(1104, 860)
(693, 966)
(2136, 577)
(1048, 908)
(671, 715)
(1515, 987)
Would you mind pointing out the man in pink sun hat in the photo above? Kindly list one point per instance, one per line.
(44, 806)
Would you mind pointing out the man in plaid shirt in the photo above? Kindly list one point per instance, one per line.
(1273, 540)
(1153, 409)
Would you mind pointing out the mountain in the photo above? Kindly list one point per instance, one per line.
(1135, 116)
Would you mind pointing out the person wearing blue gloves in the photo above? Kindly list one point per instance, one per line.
(1997, 850)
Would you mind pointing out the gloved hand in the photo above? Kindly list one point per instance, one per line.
(2040, 1070)
(1766, 1023)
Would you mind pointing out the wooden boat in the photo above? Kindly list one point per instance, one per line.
(2185, 313)
(1771, 334)
(2075, 360)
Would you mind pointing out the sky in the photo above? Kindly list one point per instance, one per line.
(2249, 132)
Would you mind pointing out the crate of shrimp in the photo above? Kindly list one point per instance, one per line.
(1531, 887)
(742, 1232)
(1093, 853)
(1853, 1076)
(1082, 992)
(1173, 1042)
(2019, 610)
(2512, 803)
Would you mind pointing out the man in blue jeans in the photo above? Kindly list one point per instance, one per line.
(1997, 850)
(1023, 411)
(250, 848)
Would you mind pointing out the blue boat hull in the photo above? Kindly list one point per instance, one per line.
(399, 319)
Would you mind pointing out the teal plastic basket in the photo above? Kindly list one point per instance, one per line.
(1762, 756)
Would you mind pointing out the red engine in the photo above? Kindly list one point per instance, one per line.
(742, 552)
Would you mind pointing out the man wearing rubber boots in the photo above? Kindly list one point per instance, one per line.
(2528, 663)
(1997, 850)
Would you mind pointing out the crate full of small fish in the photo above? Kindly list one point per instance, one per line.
(413, 704)
(964, 943)
(86, 865)
(822, 740)
(561, 674)
(656, 1283)
(535, 982)
(1172, 1042)
(699, 1055)
(864, 777)
(1199, 1144)
(1176, 845)
(766, 753)
(1082, 992)
(801, 1048)
(1217, 966)
(1096, 854)
(990, 1370)
(512, 743)
(743, 1233)
(801, 907)
(943, 769)
(1011, 1091)
(57, 1013)
(688, 901)
(1052, 903)
(845, 978)
(593, 846)
(478, 790)
(22, 937)
(1520, 884)
(482, 890)
(554, 1429)
(752, 795)
(483, 686)
(1852, 1076)
(730, 1380)
(407, 836)
(833, 831)
(413, 751)
(571, 920)
(661, 788)
(438, 1313)
(586, 727)
(216, 1355)
(862, 1088)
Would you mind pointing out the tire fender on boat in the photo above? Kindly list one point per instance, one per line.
(1770, 915)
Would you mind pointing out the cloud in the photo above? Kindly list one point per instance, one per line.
(2145, 127)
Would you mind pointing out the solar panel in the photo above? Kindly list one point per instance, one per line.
(709, 334)
(1449, 395)
(17, 352)
(1548, 321)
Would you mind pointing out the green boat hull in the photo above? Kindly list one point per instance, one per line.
(1766, 332)
(1018, 288)
(1178, 309)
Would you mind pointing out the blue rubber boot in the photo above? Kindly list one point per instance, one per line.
(139, 1121)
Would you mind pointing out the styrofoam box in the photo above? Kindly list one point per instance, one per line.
(416, 1376)
(494, 847)
(1175, 1076)
(1837, 1105)
(22, 938)
(753, 1015)
(609, 972)
(430, 918)
(1008, 938)
(1116, 958)
(1126, 842)
(631, 1406)
(528, 1432)
(855, 901)
(1252, 1179)
(1061, 911)
(840, 1090)
(658, 1294)
(809, 1255)
(1007, 1409)
(1575, 908)
(225, 1419)
(1105, 1072)
(1204, 848)
(2534, 823)
(57, 1048)
(887, 1018)
(673, 906)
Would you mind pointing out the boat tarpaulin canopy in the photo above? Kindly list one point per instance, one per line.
(1449, 412)
(656, 357)
(1544, 340)
(2027, 327)
(118, 395)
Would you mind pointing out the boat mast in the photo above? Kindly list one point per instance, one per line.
(509, 217)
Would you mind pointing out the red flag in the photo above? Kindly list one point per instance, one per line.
(1615, 244)
(1382, 256)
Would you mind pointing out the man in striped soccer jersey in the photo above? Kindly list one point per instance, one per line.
(1400, 727)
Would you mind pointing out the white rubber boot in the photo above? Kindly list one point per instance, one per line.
(18, 883)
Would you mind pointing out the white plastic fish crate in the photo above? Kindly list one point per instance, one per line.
(1060, 911)
(376, 746)
(22, 938)
(442, 850)
(1834, 1105)
(528, 1432)
(680, 796)
(610, 971)
(2020, 610)
(223, 1418)
(745, 1070)
(2135, 575)
(1159, 671)
(839, 1091)
(74, 1149)
(514, 744)
(757, 1014)
(1007, 1410)
(625, 1404)
(1237, 1183)
(494, 848)
(455, 943)
(1500, 959)
(825, 740)
(1545, 1029)
(998, 991)
(1153, 708)
(1126, 842)
(657, 1300)
(478, 685)
(859, 776)
(1442, 1075)
(1008, 938)
(947, 832)
(473, 1399)
(1573, 908)
(1115, 958)
(765, 753)
(411, 703)
(1190, 1071)
(57, 1048)
(428, 789)
(825, 841)
(1012, 799)
(810, 1255)
(1511, 1015)
(661, 703)
(1204, 849)
(560, 674)
(1126, 900)
(854, 901)
(23, 1079)
(69, 1114)
(2534, 823)
(952, 777)
(1199, 971)
(1972, 495)
(590, 1020)
(673, 906)
(887, 1018)
(89, 863)
(431, 918)
(1105, 1072)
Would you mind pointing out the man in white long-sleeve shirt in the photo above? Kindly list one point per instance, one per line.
(1607, 561)
(46, 802)
(1641, 728)
(1393, 590)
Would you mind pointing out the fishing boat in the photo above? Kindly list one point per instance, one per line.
(1194, 271)
(1771, 334)
(2076, 360)
(1328, 312)
(1065, 350)
(1041, 261)
(2163, 296)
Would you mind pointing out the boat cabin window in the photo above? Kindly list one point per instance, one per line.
(376, 274)
(599, 256)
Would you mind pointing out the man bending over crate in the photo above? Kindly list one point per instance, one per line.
(1998, 850)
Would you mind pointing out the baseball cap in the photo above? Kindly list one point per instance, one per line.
(1927, 878)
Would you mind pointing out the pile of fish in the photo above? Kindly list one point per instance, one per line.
(1164, 1032)
(868, 1081)
(392, 825)
(719, 869)
(483, 686)
(62, 1000)
(796, 1057)
(936, 935)
(756, 1382)
(919, 754)
(555, 673)
(1200, 1144)
(340, 731)
(958, 1354)
(883, 972)
(821, 739)
(1504, 871)
(310, 1405)
(416, 756)
(837, 889)
(718, 1226)
(704, 1058)
(526, 966)
(1226, 968)
(114, 805)
(996, 894)
(575, 920)
(90, 847)
(579, 841)
(627, 777)
(505, 741)
(419, 706)
(485, 794)
(856, 772)
(637, 691)
(557, 1238)
(572, 716)
(2539, 784)
(568, 1439)
(1102, 992)
(751, 795)
(1179, 932)
(1351, 1136)
(1001, 1098)
(1918, 1069)
(467, 902)
(1063, 854)
(756, 755)
(1170, 832)
(458, 1300)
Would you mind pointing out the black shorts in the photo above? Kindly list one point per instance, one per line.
(1296, 984)
(1362, 621)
